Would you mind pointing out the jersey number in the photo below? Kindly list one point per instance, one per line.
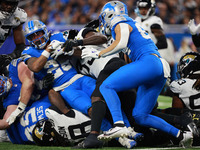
(192, 100)
(143, 33)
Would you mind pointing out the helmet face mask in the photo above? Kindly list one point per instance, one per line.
(189, 65)
(149, 5)
(36, 28)
(42, 133)
(7, 8)
(110, 10)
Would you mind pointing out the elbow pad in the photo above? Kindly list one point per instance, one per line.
(124, 30)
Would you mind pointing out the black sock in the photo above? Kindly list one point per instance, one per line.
(118, 125)
(98, 113)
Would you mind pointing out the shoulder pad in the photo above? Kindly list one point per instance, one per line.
(155, 20)
(20, 15)
(175, 87)
(117, 19)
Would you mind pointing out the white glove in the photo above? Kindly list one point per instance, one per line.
(90, 52)
(57, 52)
(17, 113)
(54, 44)
(192, 27)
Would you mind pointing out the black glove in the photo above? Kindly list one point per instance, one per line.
(69, 44)
(48, 81)
(93, 23)
(72, 33)
(4, 61)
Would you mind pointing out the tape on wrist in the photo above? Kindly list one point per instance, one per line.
(46, 54)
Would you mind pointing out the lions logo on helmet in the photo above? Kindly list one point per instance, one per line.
(189, 65)
(150, 4)
(5, 85)
(110, 10)
(7, 8)
(36, 28)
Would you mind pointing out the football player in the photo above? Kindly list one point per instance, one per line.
(186, 88)
(153, 25)
(147, 72)
(99, 69)
(74, 88)
(11, 18)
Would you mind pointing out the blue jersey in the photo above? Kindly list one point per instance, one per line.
(140, 42)
(14, 93)
(21, 131)
(62, 72)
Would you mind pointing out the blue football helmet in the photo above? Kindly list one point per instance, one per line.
(110, 10)
(189, 66)
(36, 27)
(5, 85)
(150, 4)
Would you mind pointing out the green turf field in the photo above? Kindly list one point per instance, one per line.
(163, 103)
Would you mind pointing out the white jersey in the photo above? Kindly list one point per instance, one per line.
(189, 96)
(74, 128)
(146, 25)
(17, 18)
(92, 66)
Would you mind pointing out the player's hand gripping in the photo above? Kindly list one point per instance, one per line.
(17, 113)
(90, 52)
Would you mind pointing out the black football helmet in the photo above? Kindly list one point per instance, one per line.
(150, 4)
(44, 134)
(7, 8)
(189, 65)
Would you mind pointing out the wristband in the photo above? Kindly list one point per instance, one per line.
(46, 54)
(21, 106)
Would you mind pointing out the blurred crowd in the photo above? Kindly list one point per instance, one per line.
(59, 12)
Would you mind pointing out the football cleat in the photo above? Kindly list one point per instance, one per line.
(134, 135)
(114, 133)
(89, 143)
(187, 121)
(126, 142)
(187, 140)
(4, 136)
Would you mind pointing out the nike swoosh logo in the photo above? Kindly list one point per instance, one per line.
(112, 133)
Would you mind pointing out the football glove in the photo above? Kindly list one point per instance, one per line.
(54, 44)
(90, 52)
(193, 28)
(69, 44)
(17, 113)
(57, 52)
(4, 62)
(72, 33)
(47, 81)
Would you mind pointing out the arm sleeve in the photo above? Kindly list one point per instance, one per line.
(124, 30)
(196, 40)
